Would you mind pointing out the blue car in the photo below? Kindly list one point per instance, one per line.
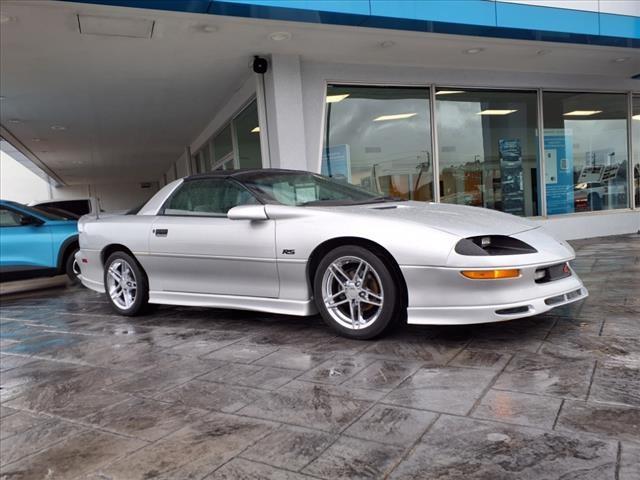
(36, 243)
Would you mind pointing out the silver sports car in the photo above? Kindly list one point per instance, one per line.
(296, 243)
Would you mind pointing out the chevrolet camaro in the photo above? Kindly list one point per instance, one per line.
(297, 243)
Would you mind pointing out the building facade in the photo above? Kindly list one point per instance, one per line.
(530, 107)
(560, 148)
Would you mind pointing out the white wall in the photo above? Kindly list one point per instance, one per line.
(20, 184)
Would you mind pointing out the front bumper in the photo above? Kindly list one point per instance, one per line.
(90, 269)
(442, 296)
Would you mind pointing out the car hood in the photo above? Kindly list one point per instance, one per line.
(454, 219)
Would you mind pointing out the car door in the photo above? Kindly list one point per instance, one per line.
(25, 242)
(195, 248)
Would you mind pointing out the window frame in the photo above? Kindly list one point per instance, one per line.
(222, 179)
(234, 154)
(540, 91)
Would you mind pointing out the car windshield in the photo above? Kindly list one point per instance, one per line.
(41, 213)
(308, 189)
(53, 211)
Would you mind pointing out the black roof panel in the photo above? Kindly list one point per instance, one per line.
(240, 173)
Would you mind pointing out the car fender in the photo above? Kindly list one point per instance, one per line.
(63, 248)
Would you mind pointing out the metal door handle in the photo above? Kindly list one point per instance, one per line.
(161, 232)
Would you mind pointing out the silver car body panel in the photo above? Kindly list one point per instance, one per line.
(262, 265)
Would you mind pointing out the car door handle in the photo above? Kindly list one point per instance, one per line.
(161, 232)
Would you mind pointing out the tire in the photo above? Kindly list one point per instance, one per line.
(71, 267)
(356, 292)
(128, 295)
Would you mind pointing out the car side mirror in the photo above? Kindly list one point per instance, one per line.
(247, 212)
(26, 220)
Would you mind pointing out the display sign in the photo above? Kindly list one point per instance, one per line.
(511, 176)
(336, 163)
(558, 163)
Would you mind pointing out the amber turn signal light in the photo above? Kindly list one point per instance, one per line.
(490, 274)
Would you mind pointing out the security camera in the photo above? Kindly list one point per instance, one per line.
(260, 65)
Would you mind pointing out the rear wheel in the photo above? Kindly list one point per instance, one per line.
(355, 292)
(125, 284)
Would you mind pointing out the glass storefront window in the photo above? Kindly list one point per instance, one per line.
(635, 131)
(205, 158)
(222, 144)
(585, 150)
(488, 149)
(379, 138)
(248, 137)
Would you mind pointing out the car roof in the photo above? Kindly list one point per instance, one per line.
(241, 173)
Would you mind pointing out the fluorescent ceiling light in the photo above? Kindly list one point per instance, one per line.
(448, 92)
(582, 113)
(256, 130)
(336, 98)
(636, 117)
(397, 116)
(115, 26)
(496, 112)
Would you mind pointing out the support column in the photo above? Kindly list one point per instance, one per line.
(284, 113)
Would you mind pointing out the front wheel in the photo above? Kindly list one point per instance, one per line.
(125, 284)
(355, 292)
(71, 267)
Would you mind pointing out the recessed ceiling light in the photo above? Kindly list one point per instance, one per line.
(35, 140)
(256, 130)
(448, 92)
(15, 120)
(582, 113)
(397, 116)
(206, 28)
(280, 36)
(473, 51)
(336, 98)
(387, 44)
(58, 127)
(496, 112)
(620, 59)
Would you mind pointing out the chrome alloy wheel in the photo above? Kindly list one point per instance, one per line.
(352, 292)
(76, 268)
(121, 284)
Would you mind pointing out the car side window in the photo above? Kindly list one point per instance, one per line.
(208, 197)
(9, 218)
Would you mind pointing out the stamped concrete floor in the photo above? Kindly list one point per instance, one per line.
(188, 393)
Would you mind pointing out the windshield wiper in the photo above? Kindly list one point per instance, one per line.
(346, 202)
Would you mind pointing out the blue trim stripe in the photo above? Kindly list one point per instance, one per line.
(619, 26)
(472, 12)
(531, 17)
(487, 18)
